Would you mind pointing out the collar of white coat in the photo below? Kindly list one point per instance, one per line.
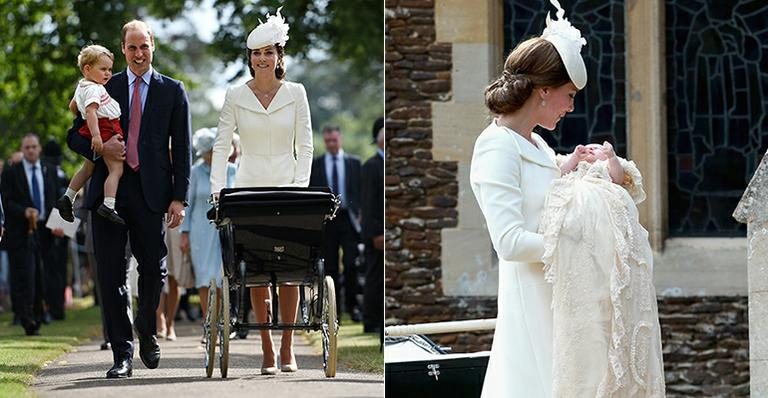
(540, 154)
(245, 98)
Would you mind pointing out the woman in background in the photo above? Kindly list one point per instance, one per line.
(199, 237)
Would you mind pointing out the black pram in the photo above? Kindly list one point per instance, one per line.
(272, 236)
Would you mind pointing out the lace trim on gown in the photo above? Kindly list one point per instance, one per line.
(606, 336)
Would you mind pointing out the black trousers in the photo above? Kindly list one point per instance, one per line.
(55, 265)
(373, 295)
(339, 232)
(144, 229)
(27, 275)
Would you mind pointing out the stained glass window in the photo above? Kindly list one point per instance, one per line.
(717, 82)
(600, 112)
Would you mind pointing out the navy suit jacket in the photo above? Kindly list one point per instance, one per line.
(17, 197)
(318, 178)
(373, 199)
(164, 171)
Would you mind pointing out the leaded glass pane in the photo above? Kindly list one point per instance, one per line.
(599, 113)
(717, 77)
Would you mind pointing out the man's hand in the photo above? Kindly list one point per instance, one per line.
(184, 243)
(175, 214)
(114, 148)
(378, 242)
(30, 212)
(58, 232)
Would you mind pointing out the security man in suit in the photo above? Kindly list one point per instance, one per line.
(373, 234)
(154, 111)
(29, 189)
(341, 172)
(56, 268)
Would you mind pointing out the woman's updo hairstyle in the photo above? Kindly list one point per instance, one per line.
(533, 63)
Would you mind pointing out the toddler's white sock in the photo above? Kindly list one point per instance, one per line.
(109, 202)
(71, 194)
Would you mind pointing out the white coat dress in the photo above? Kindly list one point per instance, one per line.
(276, 142)
(510, 178)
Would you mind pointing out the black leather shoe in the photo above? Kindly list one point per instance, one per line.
(121, 369)
(356, 315)
(106, 345)
(65, 208)
(32, 331)
(149, 350)
(110, 214)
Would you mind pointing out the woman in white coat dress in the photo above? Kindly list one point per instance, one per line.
(272, 118)
(511, 171)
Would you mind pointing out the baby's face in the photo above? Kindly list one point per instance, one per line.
(594, 153)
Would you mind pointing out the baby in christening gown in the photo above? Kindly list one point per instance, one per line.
(606, 335)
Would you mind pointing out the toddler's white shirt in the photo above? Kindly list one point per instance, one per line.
(88, 92)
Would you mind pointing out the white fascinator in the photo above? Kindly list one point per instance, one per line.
(273, 31)
(568, 42)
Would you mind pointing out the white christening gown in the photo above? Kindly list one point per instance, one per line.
(606, 335)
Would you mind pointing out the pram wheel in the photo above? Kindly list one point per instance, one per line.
(210, 329)
(330, 327)
(225, 317)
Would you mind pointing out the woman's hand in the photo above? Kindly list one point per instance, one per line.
(184, 243)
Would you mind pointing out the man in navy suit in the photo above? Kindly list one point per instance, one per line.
(2, 219)
(373, 234)
(341, 172)
(29, 188)
(154, 111)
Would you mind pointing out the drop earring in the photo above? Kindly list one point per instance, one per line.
(543, 103)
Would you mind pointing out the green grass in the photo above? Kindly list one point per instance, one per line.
(356, 350)
(22, 356)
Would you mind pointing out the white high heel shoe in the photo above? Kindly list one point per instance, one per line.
(270, 370)
(291, 367)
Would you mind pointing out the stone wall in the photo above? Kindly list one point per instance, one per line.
(421, 193)
(705, 342)
(706, 346)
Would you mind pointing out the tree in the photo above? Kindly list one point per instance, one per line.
(338, 97)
